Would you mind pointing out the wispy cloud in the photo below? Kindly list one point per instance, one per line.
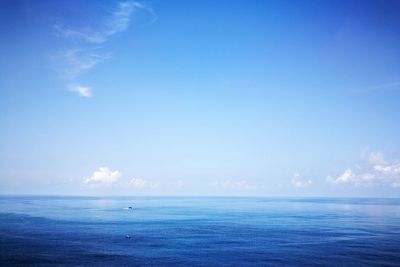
(74, 62)
(142, 183)
(118, 21)
(85, 49)
(83, 91)
(121, 17)
(85, 35)
(103, 176)
(376, 172)
(298, 182)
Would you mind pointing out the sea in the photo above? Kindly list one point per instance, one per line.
(198, 231)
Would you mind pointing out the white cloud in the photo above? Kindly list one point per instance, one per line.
(141, 183)
(84, 91)
(85, 50)
(233, 184)
(346, 177)
(298, 182)
(103, 176)
(388, 169)
(377, 172)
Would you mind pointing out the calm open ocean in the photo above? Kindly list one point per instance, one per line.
(198, 231)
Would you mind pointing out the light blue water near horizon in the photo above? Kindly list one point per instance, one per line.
(199, 231)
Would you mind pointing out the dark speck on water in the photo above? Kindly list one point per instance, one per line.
(199, 231)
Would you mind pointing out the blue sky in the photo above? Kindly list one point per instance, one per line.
(263, 98)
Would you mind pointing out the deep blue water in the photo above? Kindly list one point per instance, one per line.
(198, 231)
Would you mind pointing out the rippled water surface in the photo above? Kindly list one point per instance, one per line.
(205, 231)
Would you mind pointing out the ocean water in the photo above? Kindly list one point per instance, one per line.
(198, 231)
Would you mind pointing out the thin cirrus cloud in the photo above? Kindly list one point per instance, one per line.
(74, 62)
(103, 176)
(377, 171)
(117, 22)
(85, 49)
(300, 183)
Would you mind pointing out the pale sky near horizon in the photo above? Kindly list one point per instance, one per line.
(263, 98)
